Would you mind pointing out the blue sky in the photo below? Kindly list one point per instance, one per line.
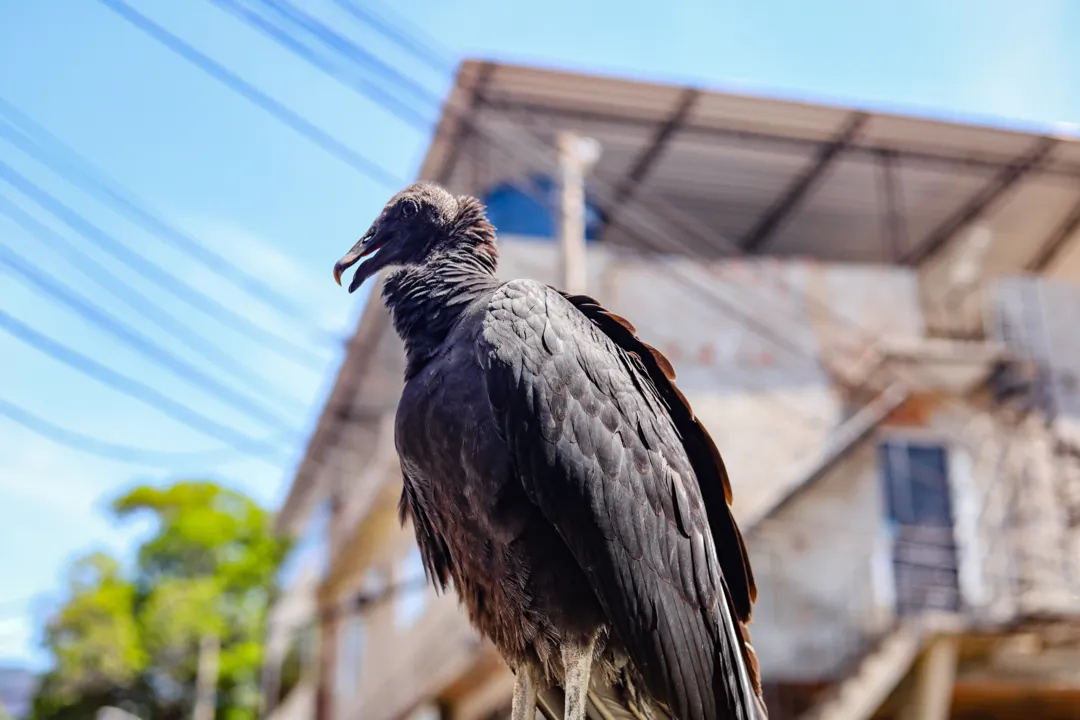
(267, 198)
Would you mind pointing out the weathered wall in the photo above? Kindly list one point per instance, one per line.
(815, 562)
(823, 562)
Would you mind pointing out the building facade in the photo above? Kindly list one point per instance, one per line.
(850, 301)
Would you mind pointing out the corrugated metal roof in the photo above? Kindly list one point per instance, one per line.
(896, 186)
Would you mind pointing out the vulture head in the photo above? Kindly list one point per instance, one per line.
(420, 222)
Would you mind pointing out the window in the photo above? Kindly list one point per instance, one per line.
(413, 596)
(514, 212)
(916, 483)
(918, 505)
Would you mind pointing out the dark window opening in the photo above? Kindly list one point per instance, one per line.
(516, 212)
(918, 506)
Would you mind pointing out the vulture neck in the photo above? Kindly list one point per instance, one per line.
(426, 301)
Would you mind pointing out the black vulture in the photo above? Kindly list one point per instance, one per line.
(558, 478)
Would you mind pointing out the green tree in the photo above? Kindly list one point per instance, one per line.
(132, 640)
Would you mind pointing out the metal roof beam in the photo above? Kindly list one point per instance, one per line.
(894, 222)
(1056, 242)
(928, 155)
(466, 122)
(650, 155)
(775, 216)
(981, 202)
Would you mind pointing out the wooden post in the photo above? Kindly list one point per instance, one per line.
(576, 157)
(931, 694)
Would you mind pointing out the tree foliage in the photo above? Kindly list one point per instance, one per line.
(131, 640)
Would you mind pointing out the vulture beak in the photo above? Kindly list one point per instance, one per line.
(369, 243)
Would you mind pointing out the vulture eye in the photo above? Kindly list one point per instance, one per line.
(409, 209)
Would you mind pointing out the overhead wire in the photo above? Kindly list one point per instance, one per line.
(279, 110)
(100, 318)
(148, 395)
(119, 452)
(425, 49)
(381, 95)
(171, 323)
(20, 129)
(164, 279)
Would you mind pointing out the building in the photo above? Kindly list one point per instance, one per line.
(866, 310)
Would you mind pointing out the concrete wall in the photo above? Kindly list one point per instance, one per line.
(823, 562)
(816, 563)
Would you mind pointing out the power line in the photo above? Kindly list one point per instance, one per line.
(359, 84)
(144, 305)
(261, 449)
(424, 50)
(280, 111)
(119, 452)
(163, 278)
(79, 170)
(136, 340)
(399, 80)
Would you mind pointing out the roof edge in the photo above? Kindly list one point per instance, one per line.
(353, 369)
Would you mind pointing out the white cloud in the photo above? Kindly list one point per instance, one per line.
(17, 635)
(37, 472)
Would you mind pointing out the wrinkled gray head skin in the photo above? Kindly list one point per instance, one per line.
(412, 226)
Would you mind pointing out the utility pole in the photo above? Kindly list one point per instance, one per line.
(577, 156)
(206, 678)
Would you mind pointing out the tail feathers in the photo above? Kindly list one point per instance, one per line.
(753, 669)
(604, 703)
(623, 703)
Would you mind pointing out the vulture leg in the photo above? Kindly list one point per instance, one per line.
(523, 704)
(577, 672)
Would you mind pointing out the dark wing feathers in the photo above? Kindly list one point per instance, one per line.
(704, 456)
(606, 448)
(433, 550)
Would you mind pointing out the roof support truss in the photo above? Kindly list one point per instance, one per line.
(1056, 242)
(981, 202)
(934, 156)
(466, 122)
(781, 210)
(650, 155)
(894, 225)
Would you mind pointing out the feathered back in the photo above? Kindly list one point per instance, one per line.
(704, 457)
